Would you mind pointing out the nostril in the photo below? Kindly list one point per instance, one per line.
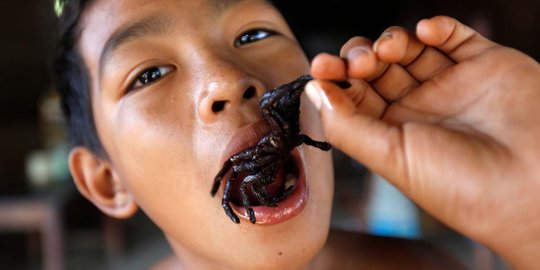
(249, 93)
(218, 106)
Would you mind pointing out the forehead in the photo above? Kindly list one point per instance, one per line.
(114, 10)
(103, 18)
(104, 15)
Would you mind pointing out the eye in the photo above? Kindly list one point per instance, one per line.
(252, 36)
(150, 75)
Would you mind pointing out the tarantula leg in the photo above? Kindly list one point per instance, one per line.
(309, 141)
(342, 84)
(245, 197)
(284, 195)
(217, 180)
(262, 195)
(245, 166)
(226, 199)
(243, 155)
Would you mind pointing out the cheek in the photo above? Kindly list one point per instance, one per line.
(310, 121)
(153, 131)
(319, 167)
(320, 172)
(151, 143)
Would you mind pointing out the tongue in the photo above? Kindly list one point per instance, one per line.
(275, 188)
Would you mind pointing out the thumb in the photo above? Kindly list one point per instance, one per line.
(368, 140)
(418, 158)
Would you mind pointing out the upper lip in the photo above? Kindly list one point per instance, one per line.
(245, 137)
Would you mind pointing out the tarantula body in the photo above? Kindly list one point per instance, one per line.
(257, 166)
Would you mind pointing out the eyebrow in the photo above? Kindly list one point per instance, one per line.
(153, 25)
(223, 4)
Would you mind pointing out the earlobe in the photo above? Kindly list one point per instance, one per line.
(97, 181)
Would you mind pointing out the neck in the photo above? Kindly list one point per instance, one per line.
(186, 259)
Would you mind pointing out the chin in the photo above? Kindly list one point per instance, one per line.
(288, 236)
(284, 239)
(294, 242)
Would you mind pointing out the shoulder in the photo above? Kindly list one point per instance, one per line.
(354, 250)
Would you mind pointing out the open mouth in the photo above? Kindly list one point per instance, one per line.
(282, 186)
(289, 190)
(262, 177)
(286, 192)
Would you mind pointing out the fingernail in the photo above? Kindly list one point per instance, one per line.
(313, 94)
(317, 96)
(357, 52)
(384, 36)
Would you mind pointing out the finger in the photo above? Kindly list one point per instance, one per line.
(366, 100)
(389, 80)
(394, 83)
(457, 40)
(362, 97)
(325, 66)
(361, 60)
(365, 138)
(407, 155)
(397, 45)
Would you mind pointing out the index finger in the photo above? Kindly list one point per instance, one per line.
(447, 34)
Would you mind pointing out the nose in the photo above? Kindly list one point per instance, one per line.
(231, 92)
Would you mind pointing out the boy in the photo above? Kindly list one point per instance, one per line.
(159, 93)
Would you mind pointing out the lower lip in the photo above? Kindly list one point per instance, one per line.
(287, 208)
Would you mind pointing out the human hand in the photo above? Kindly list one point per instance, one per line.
(451, 119)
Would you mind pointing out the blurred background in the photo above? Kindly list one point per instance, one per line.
(46, 224)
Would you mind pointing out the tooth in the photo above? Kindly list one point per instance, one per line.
(290, 181)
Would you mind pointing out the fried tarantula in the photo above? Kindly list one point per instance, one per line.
(260, 163)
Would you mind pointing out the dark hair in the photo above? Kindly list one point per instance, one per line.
(72, 79)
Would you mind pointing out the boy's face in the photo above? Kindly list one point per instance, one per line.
(172, 92)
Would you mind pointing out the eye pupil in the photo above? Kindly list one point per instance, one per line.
(150, 75)
(252, 36)
(245, 39)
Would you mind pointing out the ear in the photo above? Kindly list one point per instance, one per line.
(96, 180)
